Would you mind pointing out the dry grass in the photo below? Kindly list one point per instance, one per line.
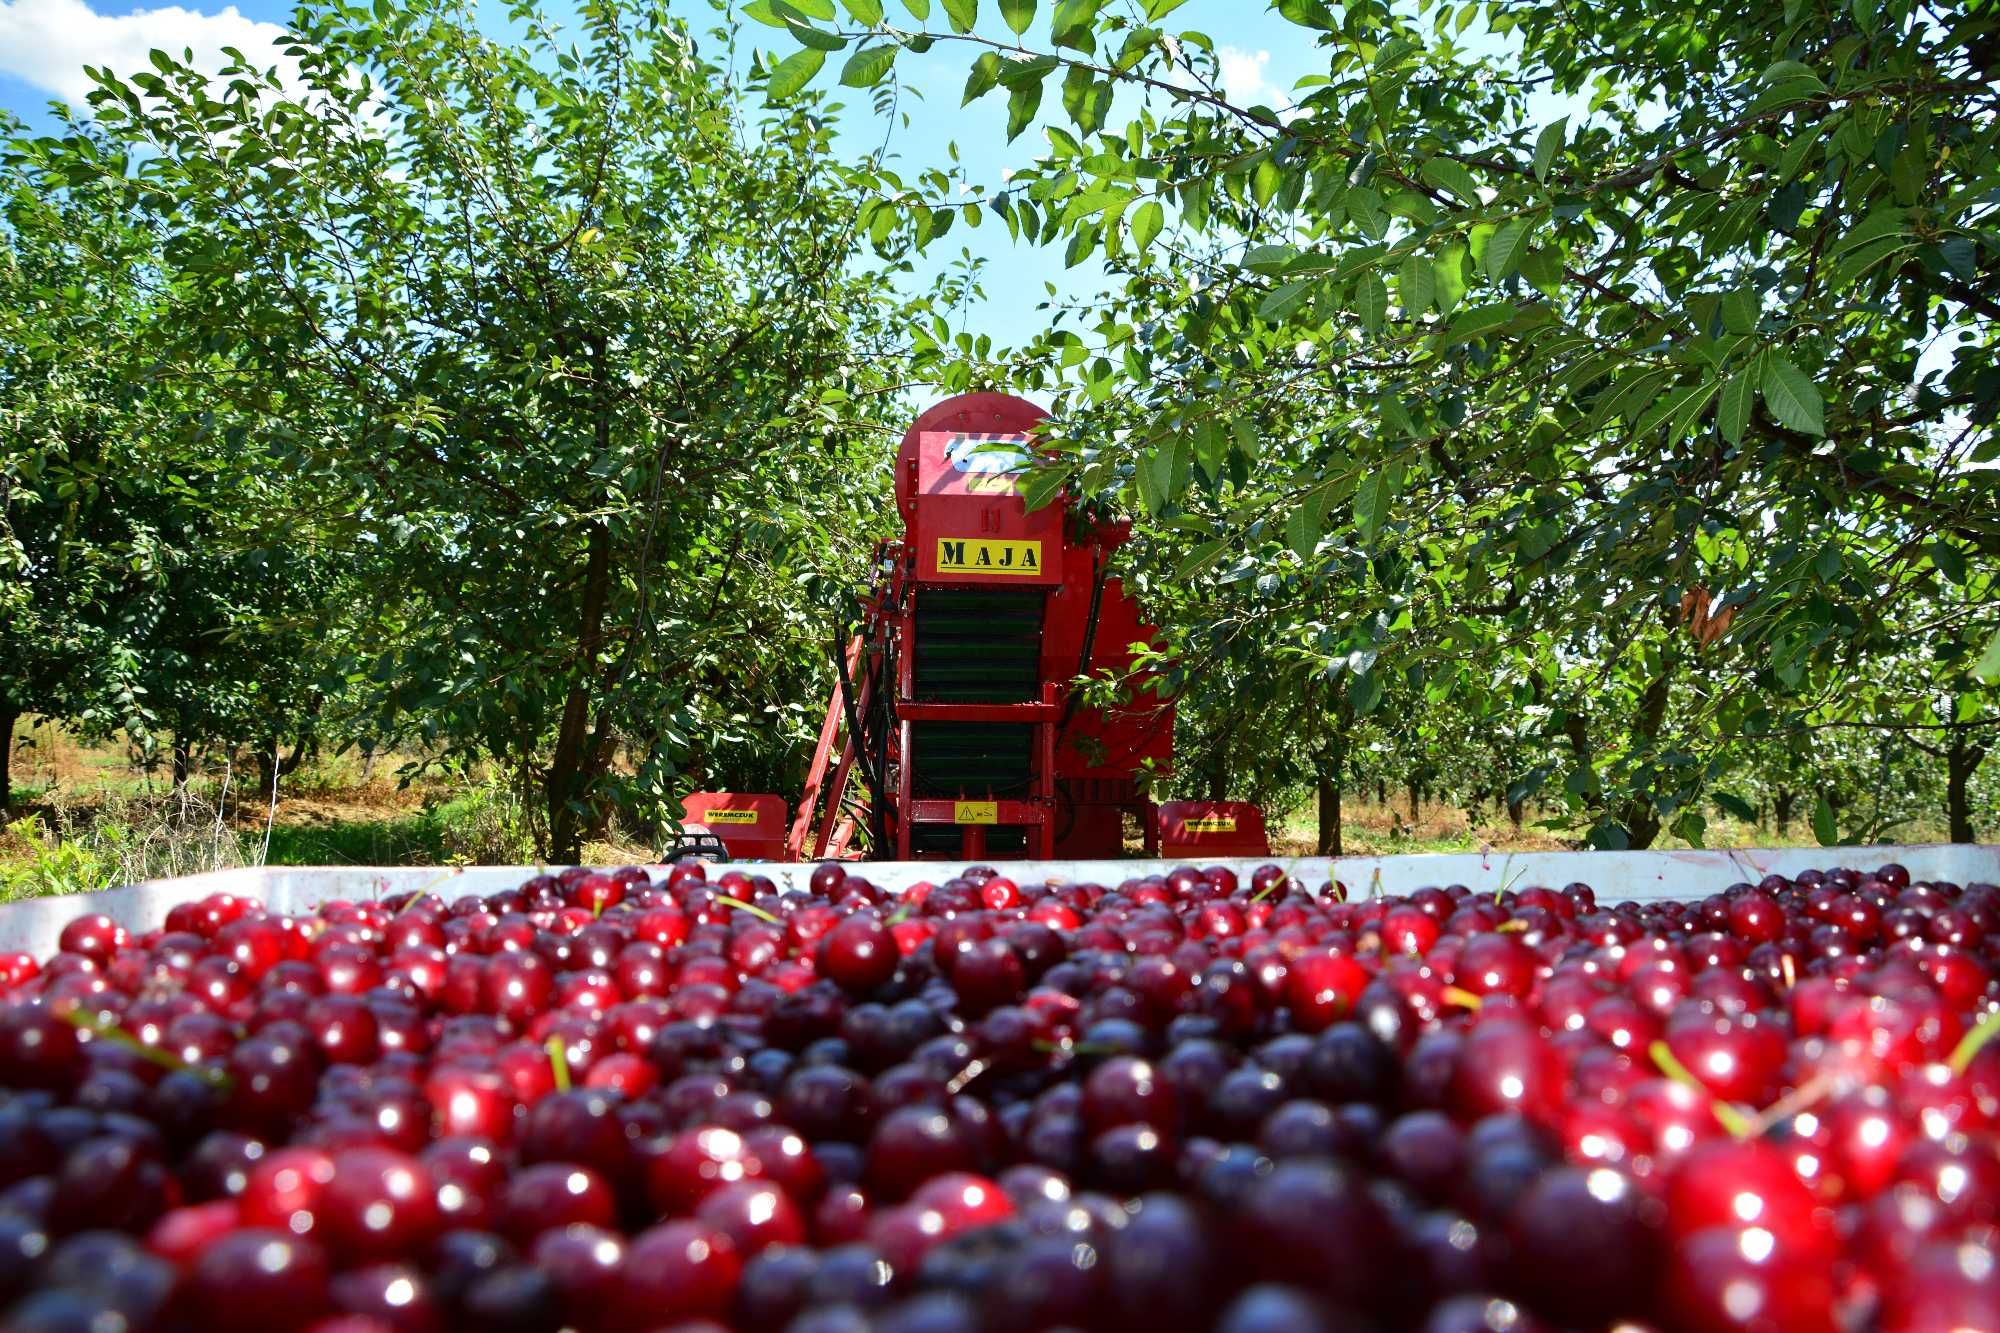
(1369, 828)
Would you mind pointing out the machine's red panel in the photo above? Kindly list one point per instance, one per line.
(971, 526)
(1118, 741)
(750, 824)
(957, 482)
(1212, 828)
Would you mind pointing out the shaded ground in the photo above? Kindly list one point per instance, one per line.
(89, 815)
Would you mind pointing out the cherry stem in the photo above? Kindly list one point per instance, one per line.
(117, 1036)
(1270, 888)
(1812, 1091)
(1969, 1046)
(558, 1062)
(963, 1077)
(1464, 999)
(742, 906)
(1731, 1117)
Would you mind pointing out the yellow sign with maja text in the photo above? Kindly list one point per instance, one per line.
(1210, 824)
(975, 555)
(730, 817)
(975, 812)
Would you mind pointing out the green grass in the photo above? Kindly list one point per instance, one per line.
(119, 840)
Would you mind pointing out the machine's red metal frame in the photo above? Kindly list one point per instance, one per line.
(1084, 758)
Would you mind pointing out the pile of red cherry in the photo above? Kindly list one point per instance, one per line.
(602, 1101)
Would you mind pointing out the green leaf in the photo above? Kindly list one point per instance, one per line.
(1161, 474)
(1211, 446)
(919, 9)
(1675, 408)
(807, 35)
(1448, 274)
(1277, 307)
(1480, 320)
(1042, 486)
(1792, 396)
(1988, 668)
(1086, 98)
(1447, 174)
(1389, 407)
(1739, 311)
(1732, 413)
(869, 65)
(1504, 247)
(962, 13)
(1159, 9)
(1147, 220)
(1825, 831)
(1302, 529)
(1392, 52)
(1547, 144)
(1371, 302)
(1375, 498)
(1735, 805)
(1018, 15)
(1364, 692)
(865, 12)
(1416, 285)
(1201, 557)
(1073, 24)
(1947, 561)
(1021, 106)
(983, 79)
(1365, 207)
(1310, 13)
(1786, 92)
(1542, 267)
(794, 72)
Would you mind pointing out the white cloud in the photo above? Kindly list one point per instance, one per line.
(1244, 82)
(47, 43)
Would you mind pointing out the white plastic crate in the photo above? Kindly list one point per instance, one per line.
(34, 925)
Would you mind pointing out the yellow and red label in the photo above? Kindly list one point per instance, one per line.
(729, 817)
(1210, 824)
(980, 555)
(975, 812)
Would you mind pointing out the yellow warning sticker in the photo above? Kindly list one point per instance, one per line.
(975, 812)
(972, 555)
(728, 817)
(1210, 824)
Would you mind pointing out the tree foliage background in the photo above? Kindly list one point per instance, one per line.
(1621, 448)
(530, 401)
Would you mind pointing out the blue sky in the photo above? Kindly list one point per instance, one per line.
(44, 45)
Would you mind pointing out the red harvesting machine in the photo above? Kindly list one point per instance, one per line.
(954, 732)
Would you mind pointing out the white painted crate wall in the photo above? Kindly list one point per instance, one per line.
(34, 925)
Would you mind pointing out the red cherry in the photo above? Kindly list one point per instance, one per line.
(680, 1270)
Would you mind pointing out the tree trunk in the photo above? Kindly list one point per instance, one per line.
(286, 763)
(1782, 804)
(9, 715)
(1961, 760)
(1415, 795)
(568, 776)
(1514, 813)
(183, 759)
(1382, 792)
(1329, 777)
